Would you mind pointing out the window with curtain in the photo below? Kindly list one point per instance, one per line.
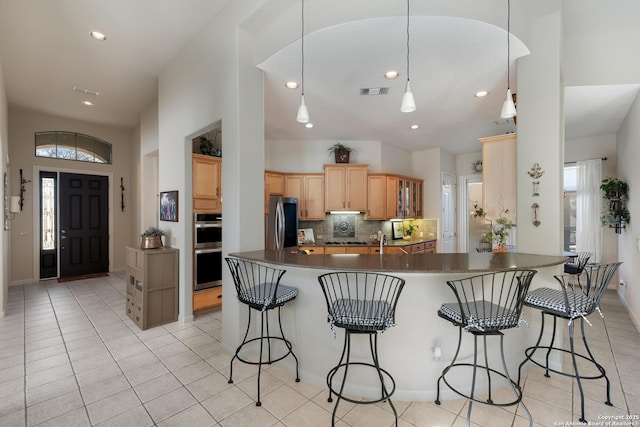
(589, 208)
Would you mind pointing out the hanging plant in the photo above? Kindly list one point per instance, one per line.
(617, 215)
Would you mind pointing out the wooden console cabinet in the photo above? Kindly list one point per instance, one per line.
(152, 286)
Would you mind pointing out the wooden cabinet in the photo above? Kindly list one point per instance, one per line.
(330, 250)
(309, 190)
(499, 177)
(377, 197)
(207, 299)
(152, 286)
(345, 187)
(405, 197)
(273, 186)
(207, 183)
(313, 250)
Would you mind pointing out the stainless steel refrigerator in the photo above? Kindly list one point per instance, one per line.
(281, 228)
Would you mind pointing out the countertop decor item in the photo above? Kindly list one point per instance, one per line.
(151, 238)
(341, 152)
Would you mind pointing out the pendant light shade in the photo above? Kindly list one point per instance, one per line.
(303, 113)
(509, 107)
(408, 103)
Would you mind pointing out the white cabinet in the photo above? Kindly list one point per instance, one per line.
(499, 177)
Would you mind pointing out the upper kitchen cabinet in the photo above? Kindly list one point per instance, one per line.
(207, 183)
(499, 179)
(377, 197)
(404, 197)
(345, 187)
(309, 190)
(273, 186)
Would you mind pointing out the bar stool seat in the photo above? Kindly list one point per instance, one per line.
(258, 286)
(361, 303)
(578, 297)
(485, 305)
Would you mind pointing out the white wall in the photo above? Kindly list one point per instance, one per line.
(24, 125)
(628, 150)
(5, 248)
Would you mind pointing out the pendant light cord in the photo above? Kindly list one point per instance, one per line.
(508, 44)
(407, 40)
(302, 47)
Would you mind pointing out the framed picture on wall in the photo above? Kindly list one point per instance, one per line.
(397, 229)
(169, 206)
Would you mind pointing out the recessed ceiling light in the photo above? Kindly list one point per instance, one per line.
(481, 94)
(292, 85)
(414, 127)
(98, 35)
(391, 75)
(308, 125)
(87, 103)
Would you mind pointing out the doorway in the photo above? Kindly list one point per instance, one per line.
(448, 213)
(74, 224)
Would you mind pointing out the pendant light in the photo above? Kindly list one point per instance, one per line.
(508, 108)
(303, 113)
(408, 103)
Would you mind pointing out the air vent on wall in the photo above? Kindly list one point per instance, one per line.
(374, 91)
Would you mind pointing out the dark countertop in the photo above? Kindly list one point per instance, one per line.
(416, 263)
(373, 243)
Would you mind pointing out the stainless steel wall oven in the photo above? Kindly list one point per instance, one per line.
(207, 251)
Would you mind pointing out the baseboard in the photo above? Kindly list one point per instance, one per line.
(20, 282)
(623, 299)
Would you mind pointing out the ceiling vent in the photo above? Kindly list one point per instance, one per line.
(374, 91)
(86, 91)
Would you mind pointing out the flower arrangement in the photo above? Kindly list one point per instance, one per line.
(410, 228)
(500, 228)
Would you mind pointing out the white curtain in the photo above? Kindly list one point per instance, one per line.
(589, 208)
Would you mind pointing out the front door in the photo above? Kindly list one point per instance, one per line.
(84, 224)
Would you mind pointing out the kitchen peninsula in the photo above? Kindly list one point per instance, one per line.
(407, 351)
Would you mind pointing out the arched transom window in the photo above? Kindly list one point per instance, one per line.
(72, 146)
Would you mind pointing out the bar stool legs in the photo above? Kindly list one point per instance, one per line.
(529, 352)
(264, 324)
(517, 391)
(345, 362)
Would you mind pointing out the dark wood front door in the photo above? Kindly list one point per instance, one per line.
(84, 224)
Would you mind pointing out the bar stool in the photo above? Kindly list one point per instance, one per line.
(578, 297)
(361, 303)
(577, 263)
(258, 286)
(485, 305)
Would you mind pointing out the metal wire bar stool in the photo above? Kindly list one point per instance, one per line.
(577, 264)
(361, 303)
(258, 286)
(485, 305)
(578, 297)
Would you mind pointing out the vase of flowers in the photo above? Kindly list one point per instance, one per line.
(500, 229)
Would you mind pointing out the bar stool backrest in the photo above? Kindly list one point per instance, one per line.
(582, 292)
(488, 302)
(256, 284)
(361, 301)
(577, 265)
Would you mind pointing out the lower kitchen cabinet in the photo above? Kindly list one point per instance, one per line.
(152, 286)
(312, 250)
(207, 299)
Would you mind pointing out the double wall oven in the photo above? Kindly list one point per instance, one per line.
(207, 251)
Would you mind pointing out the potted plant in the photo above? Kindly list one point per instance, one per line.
(408, 230)
(616, 215)
(341, 152)
(500, 229)
(151, 238)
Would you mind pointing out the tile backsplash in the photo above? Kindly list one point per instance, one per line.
(356, 228)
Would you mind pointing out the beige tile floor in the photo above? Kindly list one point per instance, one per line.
(70, 357)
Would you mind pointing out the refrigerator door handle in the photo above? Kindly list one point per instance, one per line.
(279, 226)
